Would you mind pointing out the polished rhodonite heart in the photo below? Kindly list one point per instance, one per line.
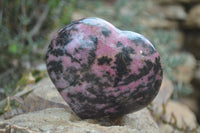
(100, 70)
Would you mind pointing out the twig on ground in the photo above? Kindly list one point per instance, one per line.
(16, 97)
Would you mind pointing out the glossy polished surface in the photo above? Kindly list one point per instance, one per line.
(102, 71)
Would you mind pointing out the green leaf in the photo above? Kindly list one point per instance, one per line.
(22, 80)
(12, 48)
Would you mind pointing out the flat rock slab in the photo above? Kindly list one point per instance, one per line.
(60, 120)
(46, 111)
(57, 120)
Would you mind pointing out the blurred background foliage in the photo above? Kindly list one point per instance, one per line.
(26, 27)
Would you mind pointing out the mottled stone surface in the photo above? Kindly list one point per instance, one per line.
(102, 71)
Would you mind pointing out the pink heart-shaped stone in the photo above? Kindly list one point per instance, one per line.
(102, 71)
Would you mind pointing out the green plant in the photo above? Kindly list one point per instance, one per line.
(24, 27)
